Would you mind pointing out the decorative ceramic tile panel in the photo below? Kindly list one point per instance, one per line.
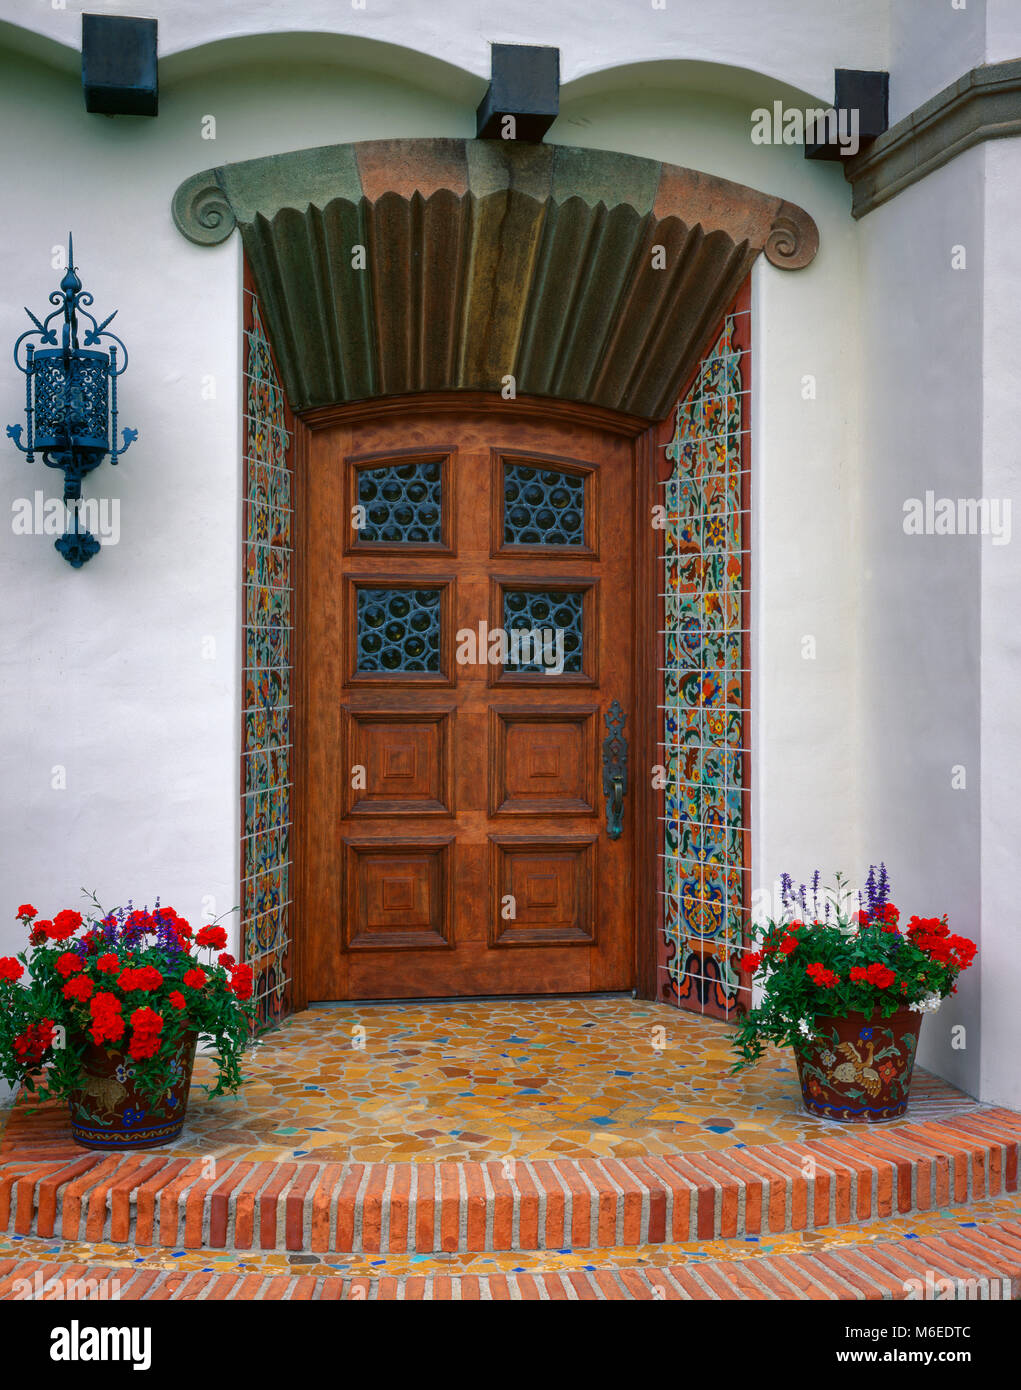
(542, 506)
(268, 618)
(705, 714)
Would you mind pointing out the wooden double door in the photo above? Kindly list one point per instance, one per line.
(466, 618)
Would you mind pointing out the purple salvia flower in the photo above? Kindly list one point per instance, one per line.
(883, 887)
(786, 890)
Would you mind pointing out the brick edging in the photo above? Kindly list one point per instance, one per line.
(373, 1208)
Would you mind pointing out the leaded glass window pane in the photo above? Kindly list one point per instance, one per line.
(540, 612)
(542, 506)
(403, 503)
(398, 630)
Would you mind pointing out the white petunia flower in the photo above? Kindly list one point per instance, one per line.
(928, 1004)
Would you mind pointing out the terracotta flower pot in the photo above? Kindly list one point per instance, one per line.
(108, 1113)
(858, 1069)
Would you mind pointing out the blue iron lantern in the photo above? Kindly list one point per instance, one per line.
(71, 398)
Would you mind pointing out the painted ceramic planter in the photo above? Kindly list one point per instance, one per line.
(108, 1113)
(858, 1069)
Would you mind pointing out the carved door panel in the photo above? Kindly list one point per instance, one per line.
(468, 598)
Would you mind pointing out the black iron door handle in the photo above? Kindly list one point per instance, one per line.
(615, 770)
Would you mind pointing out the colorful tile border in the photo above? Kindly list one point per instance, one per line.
(705, 690)
(267, 579)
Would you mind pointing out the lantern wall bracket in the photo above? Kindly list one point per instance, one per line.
(71, 398)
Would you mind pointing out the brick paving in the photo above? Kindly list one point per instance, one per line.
(982, 1264)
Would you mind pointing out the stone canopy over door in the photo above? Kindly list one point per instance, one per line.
(480, 340)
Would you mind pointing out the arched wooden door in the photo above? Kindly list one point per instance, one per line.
(467, 622)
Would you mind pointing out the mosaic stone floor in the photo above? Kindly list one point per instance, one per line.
(479, 1079)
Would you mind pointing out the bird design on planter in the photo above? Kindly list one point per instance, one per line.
(855, 1069)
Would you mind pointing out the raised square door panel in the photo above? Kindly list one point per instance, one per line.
(543, 761)
(543, 890)
(399, 762)
(398, 894)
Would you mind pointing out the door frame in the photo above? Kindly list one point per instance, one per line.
(641, 725)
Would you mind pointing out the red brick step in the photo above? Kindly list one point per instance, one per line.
(159, 1199)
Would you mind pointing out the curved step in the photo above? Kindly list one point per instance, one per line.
(984, 1263)
(157, 1199)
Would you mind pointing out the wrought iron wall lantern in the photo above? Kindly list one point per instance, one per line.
(71, 398)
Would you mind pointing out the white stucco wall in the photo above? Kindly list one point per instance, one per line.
(932, 43)
(922, 360)
(1000, 961)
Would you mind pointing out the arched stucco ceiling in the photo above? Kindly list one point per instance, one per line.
(485, 259)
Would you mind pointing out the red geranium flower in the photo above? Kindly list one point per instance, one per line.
(107, 1023)
(212, 936)
(819, 975)
(228, 960)
(750, 961)
(31, 1045)
(69, 964)
(177, 999)
(881, 975)
(80, 987)
(11, 969)
(195, 979)
(241, 981)
(146, 1026)
(108, 962)
(26, 910)
(142, 977)
(788, 945)
(64, 925)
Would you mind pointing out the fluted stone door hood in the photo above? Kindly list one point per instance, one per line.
(485, 259)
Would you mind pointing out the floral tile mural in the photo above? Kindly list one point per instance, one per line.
(267, 723)
(704, 830)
